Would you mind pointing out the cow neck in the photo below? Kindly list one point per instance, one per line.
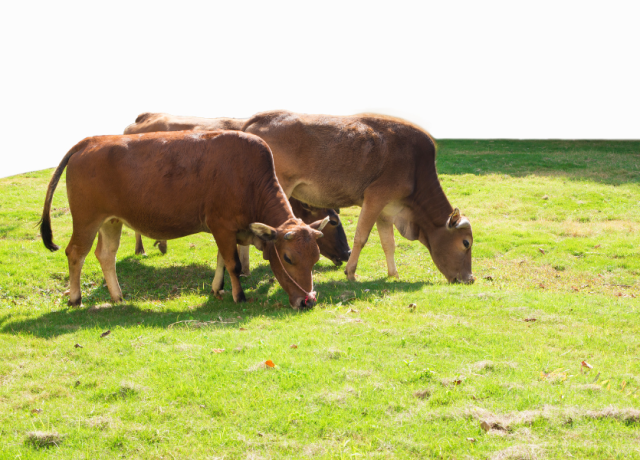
(272, 207)
(431, 208)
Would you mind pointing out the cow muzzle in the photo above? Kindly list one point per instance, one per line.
(305, 303)
(468, 280)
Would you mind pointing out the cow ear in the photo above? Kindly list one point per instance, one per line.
(263, 231)
(454, 217)
(319, 224)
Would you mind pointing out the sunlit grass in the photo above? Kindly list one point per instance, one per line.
(557, 257)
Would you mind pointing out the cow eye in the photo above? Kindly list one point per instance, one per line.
(466, 243)
(287, 260)
(333, 223)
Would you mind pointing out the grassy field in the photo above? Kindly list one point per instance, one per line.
(492, 370)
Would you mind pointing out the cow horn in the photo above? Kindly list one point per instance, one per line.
(463, 223)
(289, 236)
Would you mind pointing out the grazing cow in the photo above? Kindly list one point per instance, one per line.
(170, 185)
(333, 245)
(384, 164)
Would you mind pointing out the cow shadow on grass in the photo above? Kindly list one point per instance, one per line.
(147, 289)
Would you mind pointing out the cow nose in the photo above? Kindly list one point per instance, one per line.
(308, 302)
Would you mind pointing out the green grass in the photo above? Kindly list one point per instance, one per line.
(557, 256)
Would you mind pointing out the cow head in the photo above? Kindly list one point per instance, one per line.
(333, 245)
(450, 248)
(292, 251)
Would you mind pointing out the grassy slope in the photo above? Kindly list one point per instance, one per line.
(151, 390)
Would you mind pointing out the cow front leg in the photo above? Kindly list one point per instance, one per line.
(228, 249)
(139, 245)
(371, 209)
(108, 244)
(243, 251)
(385, 231)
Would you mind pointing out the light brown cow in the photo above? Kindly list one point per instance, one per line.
(384, 164)
(151, 122)
(170, 185)
(333, 245)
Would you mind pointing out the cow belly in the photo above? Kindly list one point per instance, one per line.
(163, 229)
(326, 197)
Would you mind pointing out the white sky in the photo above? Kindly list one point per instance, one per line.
(464, 69)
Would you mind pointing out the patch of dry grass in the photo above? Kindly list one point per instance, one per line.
(520, 452)
(43, 439)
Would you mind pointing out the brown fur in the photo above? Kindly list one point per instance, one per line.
(334, 245)
(152, 122)
(170, 185)
(384, 164)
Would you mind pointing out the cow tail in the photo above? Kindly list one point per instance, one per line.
(248, 123)
(45, 221)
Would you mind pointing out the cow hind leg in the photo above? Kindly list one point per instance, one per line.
(139, 245)
(108, 243)
(217, 287)
(243, 251)
(228, 250)
(385, 231)
(76, 251)
(371, 209)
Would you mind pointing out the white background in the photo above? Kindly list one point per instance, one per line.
(463, 69)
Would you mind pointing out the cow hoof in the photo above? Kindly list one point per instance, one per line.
(75, 303)
(394, 275)
(240, 298)
(350, 276)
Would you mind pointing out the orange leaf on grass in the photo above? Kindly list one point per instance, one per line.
(217, 350)
(586, 364)
(269, 363)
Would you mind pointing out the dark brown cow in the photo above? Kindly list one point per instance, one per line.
(170, 185)
(384, 164)
(333, 245)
